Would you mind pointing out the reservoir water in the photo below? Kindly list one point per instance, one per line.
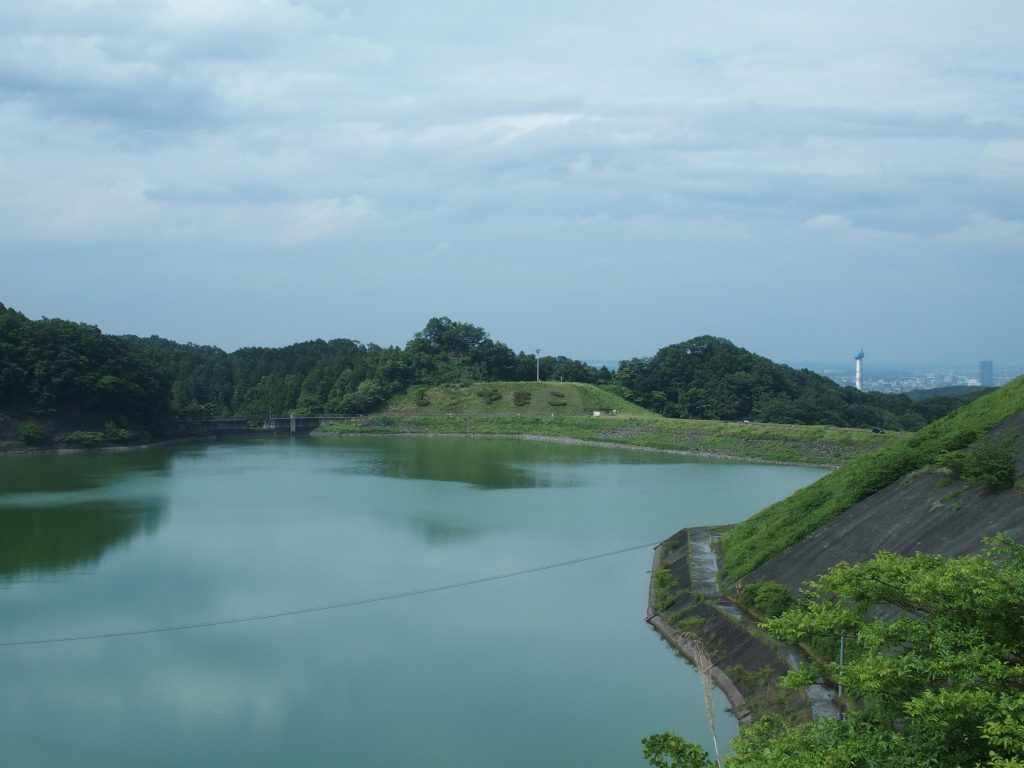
(554, 667)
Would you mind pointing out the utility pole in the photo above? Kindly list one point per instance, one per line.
(538, 364)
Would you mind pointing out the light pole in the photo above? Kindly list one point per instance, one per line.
(537, 355)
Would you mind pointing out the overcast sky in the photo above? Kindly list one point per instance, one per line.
(597, 179)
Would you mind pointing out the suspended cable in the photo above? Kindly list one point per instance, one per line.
(322, 608)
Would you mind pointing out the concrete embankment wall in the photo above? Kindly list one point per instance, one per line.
(930, 512)
(746, 666)
(736, 699)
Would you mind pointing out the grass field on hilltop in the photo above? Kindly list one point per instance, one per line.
(525, 398)
(464, 410)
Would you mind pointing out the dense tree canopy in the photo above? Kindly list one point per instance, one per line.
(56, 368)
(711, 378)
(933, 674)
(48, 365)
(341, 375)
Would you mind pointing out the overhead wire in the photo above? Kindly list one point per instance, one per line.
(321, 608)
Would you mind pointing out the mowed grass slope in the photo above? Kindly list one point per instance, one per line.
(528, 398)
(491, 409)
(769, 532)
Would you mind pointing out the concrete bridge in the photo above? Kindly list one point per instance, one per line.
(268, 425)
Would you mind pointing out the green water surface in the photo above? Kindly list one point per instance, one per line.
(550, 668)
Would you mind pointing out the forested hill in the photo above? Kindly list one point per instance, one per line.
(70, 376)
(71, 373)
(712, 378)
(67, 377)
(344, 376)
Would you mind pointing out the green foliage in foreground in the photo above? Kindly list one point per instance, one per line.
(772, 743)
(936, 677)
(775, 528)
(666, 750)
(755, 442)
(766, 599)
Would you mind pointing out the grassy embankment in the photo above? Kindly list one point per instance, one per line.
(565, 410)
(769, 532)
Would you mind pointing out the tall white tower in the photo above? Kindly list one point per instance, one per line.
(858, 371)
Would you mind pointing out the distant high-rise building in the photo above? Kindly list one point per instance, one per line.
(858, 370)
(985, 374)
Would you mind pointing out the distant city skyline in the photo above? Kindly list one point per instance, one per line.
(595, 179)
(906, 378)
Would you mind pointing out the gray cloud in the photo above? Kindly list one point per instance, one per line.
(458, 157)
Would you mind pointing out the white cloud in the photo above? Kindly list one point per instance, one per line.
(984, 228)
(575, 132)
(1005, 151)
(317, 219)
(499, 131)
(70, 210)
(824, 222)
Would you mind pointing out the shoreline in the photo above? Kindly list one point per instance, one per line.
(709, 455)
(705, 455)
(108, 448)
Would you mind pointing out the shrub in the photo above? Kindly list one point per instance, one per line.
(83, 437)
(489, 394)
(115, 434)
(32, 435)
(688, 623)
(991, 464)
(665, 586)
(521, 397)
(766, 599)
